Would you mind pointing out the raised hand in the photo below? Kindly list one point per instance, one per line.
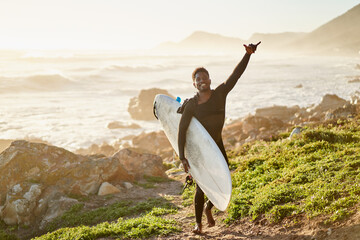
(251, 48)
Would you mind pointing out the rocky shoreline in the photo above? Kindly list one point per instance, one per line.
(38, 181)
(265, 124)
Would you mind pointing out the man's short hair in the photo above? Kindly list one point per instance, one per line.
(199, 69)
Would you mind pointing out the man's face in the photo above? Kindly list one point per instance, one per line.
(202, 81)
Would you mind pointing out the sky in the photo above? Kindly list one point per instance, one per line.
(141, 24)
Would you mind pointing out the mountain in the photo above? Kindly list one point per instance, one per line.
(275, 41)
(202, 42)
(338, 36)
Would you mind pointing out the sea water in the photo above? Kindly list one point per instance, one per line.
(68, 98)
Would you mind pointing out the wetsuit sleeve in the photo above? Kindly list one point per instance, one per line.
(183, 126)
(238, 71)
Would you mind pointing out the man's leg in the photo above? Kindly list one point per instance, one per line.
(210, 219)
(199, 207)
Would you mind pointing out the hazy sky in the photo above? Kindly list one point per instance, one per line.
(120, 24)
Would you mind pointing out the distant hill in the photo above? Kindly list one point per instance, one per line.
(275, 41)
(202, 42)
(340, 36)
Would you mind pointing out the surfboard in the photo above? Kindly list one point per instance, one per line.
(207, 164)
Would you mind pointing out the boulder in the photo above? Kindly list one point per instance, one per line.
(252, 128)
(104, 149)
(128, 185)
(153, 142)
(355, 98)
(283, 113)
(56, 207)
(107, 188)
(141, 107)
(348, 110)
(139, 165)
(295, 131)
(53, 172)
(354, 80)
(328, 102)
(21, 200)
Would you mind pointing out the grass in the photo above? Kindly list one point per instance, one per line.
(147, 225)
(315, 173)
(151, 181)
(6, 231)
(144, 219)
(77, 216)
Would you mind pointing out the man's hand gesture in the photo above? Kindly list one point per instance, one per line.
(251, 48)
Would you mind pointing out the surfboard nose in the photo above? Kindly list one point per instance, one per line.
(154, 109)
(155, 105)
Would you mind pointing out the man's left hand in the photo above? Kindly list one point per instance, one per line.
(251, 48)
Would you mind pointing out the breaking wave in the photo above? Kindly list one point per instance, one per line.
(139, 68)
(35, 82)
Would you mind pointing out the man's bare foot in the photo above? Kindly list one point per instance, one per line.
(197, 229)
(210, 219)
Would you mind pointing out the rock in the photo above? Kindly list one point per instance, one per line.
(355, 98)
(141, 107)
(348, 110)
(280, 112)
(107, 149)
(139, 165)
(233, 133)
(254, 123)
(96, 151)
(4, 144)
(328, 102)
(299, 86)
(128, 185)
(295, 131)
(355, 80)
(20, 204)
(57, 207)
(116, 124)
(252, 128)
(107, 188)
(329, 116)
(56, 171)
(153, 142)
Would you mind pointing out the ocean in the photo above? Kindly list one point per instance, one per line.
(68, 98)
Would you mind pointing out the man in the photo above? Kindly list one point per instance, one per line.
(208, 106)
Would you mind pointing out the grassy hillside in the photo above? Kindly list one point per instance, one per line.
(119, 220)
(315, 173)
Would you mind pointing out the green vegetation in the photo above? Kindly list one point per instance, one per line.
(6, 231)
(155, 179)
(7, 236)
(77, 216)
(148, 225)
(151, 180)
(188, 195)
(315, 173)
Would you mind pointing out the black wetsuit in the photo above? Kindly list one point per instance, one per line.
(211, 115)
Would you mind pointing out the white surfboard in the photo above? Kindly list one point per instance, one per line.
(207, 164)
